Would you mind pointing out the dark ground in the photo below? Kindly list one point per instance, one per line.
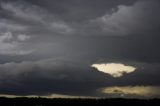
(75, 102)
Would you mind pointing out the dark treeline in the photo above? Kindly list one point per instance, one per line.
(76, 102)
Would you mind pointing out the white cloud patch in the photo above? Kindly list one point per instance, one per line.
(114, 69)
(133, 91)
(61, 27)
(23, 37)
(9, 45)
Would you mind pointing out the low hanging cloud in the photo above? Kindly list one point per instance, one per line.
(50, 76)
(114, 69)
(132, 91)
(49, 96)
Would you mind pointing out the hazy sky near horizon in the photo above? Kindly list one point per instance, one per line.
(92, 48)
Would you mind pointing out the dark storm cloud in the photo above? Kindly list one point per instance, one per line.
(66, 77)
(75, 10)
(47, 77)
(75, 34)
(118, 18)
(141, 18)
(31, 18)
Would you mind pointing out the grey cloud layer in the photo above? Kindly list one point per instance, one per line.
(122, 20)
(139, 18)
(32, 18)
(11, 45)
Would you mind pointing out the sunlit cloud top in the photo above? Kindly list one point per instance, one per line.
(114, 69)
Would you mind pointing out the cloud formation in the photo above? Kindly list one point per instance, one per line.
(33, 17)
(47, 77)
(133, 91)
(114, 69)
(10, 45)
(127, 20)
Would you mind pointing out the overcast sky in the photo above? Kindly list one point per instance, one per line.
(90, 48)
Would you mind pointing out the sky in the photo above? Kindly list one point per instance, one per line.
(80, 48)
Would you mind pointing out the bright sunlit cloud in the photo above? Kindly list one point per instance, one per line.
(114, 69)
(133, 91)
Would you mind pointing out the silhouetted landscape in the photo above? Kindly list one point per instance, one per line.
(76, 102)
